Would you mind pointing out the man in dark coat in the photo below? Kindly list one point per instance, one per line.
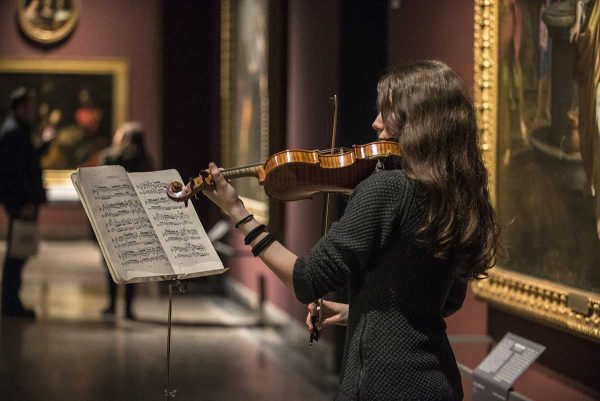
(21, 189)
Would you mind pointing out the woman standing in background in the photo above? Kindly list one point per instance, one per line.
(128, 149)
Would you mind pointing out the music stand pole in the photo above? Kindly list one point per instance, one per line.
(181, 288)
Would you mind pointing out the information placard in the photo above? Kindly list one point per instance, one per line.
(496, 374)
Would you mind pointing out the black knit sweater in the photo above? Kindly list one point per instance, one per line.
(396, 343)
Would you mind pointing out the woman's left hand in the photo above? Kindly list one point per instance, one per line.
(332, 313)
(224, 195)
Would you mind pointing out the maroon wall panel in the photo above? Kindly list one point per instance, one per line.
(433, 29)
(128, 30)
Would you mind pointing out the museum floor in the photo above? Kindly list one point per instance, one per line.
(70, 353)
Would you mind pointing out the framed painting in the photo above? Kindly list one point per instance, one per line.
(536, 93)
(245, 117)
(83, 101)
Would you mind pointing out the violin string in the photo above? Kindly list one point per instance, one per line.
(249, 170)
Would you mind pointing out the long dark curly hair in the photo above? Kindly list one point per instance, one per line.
(427, 108)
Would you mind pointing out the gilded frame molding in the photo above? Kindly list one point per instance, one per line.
(564, 308)
(119, 69)
(226, 81)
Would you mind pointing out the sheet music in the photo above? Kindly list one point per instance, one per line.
(179, 230)
(120, 218)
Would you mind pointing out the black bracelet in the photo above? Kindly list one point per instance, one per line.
(263, 244)
(254, 233)
(244, 220)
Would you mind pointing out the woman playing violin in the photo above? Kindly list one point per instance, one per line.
(406, 245)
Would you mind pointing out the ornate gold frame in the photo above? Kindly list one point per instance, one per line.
(561, 307)
(228, 86)
(119, 69)
(226, 80)
(45, 36)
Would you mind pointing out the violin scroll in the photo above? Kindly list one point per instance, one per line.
(177, 192)
(180, 193)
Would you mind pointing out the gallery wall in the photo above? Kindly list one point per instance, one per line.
(133, 30)
(126, 30)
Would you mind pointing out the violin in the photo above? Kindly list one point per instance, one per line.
(300, 174)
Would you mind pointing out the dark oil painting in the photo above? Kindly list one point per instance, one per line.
(548, 160)
(79, 107)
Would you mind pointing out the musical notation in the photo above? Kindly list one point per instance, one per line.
(110, 191)
(141, 232)
(131, 232)
(128, 223)
(189, 251)
(132, 256)
(163, 219)
(161, 204)
(118, 208)
(154, 187)
(125, 240)
(183, 241)
(181, 234)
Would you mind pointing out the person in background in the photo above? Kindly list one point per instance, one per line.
(128, 149)
(21, 188)
(407, 244)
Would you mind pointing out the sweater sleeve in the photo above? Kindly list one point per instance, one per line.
(378, 205)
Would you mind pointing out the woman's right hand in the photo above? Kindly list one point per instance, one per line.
(333, 313)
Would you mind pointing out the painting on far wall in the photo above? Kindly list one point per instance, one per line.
(245, 110)
(548, 163)
(82, 101)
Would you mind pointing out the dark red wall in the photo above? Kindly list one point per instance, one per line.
(129, 30)
(433, 29)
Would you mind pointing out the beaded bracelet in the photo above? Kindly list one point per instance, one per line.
(254, 233)
(262, 244)
(244, 220)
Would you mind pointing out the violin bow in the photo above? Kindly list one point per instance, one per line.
(318, 311)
